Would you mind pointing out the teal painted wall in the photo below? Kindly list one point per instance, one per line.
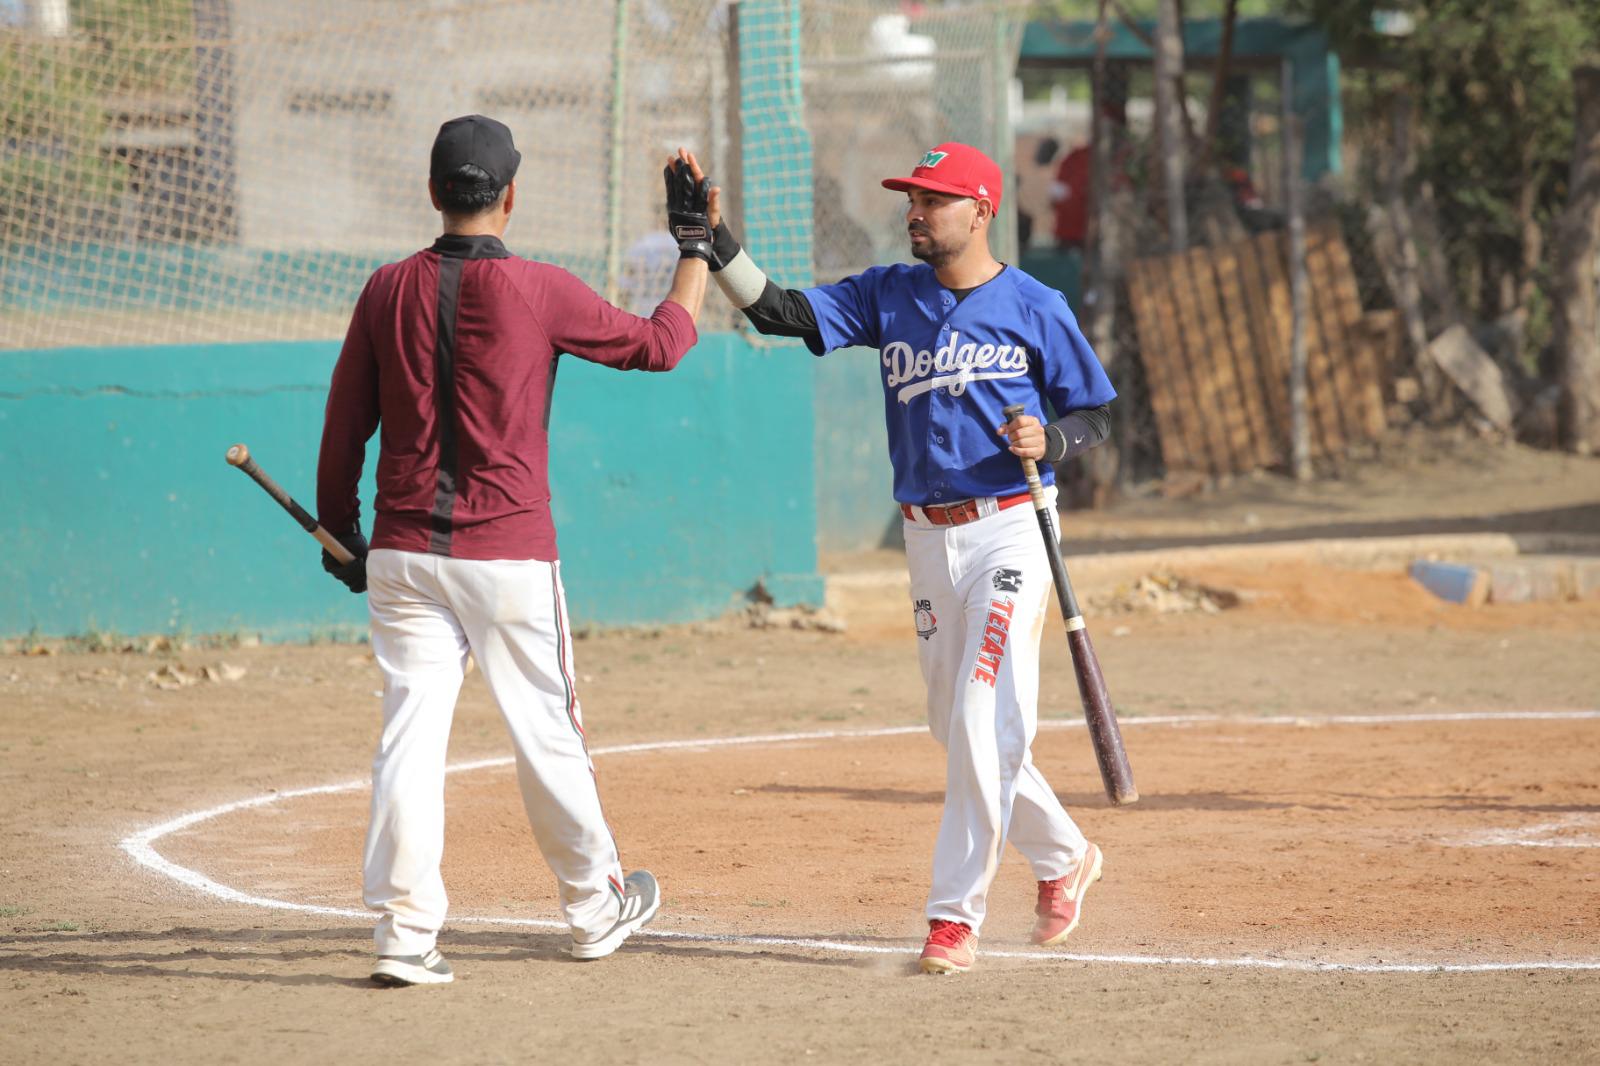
(855, 484)
(673, 494)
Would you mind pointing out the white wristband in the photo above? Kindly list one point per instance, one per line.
(741, 281)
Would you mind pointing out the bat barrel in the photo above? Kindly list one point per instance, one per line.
(1115, 773)
(1105, 733)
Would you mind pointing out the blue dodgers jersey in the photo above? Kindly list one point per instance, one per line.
(950, 368)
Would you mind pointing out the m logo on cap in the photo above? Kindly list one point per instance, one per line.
(931, 159)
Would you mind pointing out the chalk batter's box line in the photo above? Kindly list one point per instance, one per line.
(140, 847)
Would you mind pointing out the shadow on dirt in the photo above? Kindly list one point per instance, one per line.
(858, 795)
(1192, 801)
(1581, 519)
(194, 953)
(905, 958)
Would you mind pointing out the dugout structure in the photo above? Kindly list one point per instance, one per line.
(192, 193)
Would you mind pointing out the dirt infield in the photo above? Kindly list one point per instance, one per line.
(1353, 843)
(1278, 836)
(1328, 823)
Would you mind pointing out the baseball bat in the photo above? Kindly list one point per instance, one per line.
(239, 456)
(1104, 732)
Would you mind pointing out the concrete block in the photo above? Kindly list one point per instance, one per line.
(1586, 579)
(1455, 582)
(1530, 581)
(1475, 373)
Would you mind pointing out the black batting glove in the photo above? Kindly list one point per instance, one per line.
(688, 212)
(354, 573)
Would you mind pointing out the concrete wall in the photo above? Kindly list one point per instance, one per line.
(673, 494)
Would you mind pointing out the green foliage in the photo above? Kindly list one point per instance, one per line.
(1495, 99)
(55, 155)
(1491, 82)
(147, 45)
(51, 127)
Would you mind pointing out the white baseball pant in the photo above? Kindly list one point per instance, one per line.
(980, 593)
(428, 612)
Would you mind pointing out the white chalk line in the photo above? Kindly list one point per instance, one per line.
(1544, 835)
(140, 846)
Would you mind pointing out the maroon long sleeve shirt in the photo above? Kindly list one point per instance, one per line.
(453, 353)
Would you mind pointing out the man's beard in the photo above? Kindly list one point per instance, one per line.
(933, 252)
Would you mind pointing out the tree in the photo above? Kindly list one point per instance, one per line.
(1577, 298)
(1169, 120)
(1491, 85)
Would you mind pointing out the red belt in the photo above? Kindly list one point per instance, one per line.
(960, 513)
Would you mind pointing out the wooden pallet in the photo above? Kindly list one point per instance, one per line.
(1214, 329)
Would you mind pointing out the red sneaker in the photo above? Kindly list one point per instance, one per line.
(950, 948)
(1061, 901)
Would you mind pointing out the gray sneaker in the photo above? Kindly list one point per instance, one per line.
(398, 971)
(641, 899)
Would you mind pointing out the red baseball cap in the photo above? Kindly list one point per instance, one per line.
(957, 170)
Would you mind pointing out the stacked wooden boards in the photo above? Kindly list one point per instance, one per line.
(1214, 330)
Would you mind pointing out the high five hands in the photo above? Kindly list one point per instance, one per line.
(694, 205)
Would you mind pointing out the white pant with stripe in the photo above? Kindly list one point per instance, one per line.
(981, 593)
(428, 612)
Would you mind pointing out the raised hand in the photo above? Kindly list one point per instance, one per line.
(694, 207)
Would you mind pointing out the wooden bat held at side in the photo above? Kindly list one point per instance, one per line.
(1104, 732)
(239, 456)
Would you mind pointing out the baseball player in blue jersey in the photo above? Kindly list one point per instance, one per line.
(960, 336)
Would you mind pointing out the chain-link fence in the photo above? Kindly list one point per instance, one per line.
(882, 89)
(189, 171)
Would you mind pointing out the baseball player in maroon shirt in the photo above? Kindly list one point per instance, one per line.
(452, 353)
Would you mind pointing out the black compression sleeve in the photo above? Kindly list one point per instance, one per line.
(724, 246)
(1076, 432)
(783, 313)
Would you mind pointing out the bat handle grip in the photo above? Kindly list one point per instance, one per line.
(239, 456)
(1030, 469)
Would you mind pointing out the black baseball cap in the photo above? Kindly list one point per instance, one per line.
(483, 142)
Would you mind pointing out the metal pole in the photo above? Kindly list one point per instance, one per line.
(215, 117)
(1169, 113)
(1100, 150)
(619, 105)
(732, 175)
(1102, 260)
(1004, 141)
(1299, 427)
(1098, 253)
